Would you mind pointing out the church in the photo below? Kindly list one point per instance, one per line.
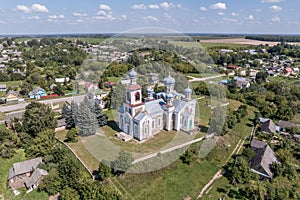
(167, 110)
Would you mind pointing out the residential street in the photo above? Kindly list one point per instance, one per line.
(21, 106)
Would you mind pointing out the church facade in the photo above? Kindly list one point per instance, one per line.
(168, 110)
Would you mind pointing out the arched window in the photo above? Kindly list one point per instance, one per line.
(153, 124)
(137, 96)
(128, 96)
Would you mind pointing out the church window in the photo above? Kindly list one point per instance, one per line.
(137, 96)
(158, 121)
(153, 124)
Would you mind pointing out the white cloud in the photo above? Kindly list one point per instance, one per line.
(56, 16)
(221, 13)
(153, 6)
(272, 1)
(166, 5)
(34, 17)
(168, 17)
(39, 8)
(234, 14)
(104, 7)
(276, 19)
(151, 18)
(230, 20)
(23, 8)
(101, 12)
(139, 7)
(275, 8)
(203, 8)
(250, 18)
(219, 6)
(78, 14)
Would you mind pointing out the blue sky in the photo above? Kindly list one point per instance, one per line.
(198, 16)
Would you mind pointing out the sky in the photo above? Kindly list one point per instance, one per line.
(111, 16)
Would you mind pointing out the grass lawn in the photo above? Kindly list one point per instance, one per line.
(6, 164)
(115, 79)
(172, 182)
(80, 149)
(90, 40)
(202, 75)
(206, 45)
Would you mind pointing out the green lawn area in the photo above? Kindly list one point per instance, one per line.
(6, 164)
(115, 79)
(288, 80)
(202, 75)
(206, 45)
(172, 182)
(91, 40)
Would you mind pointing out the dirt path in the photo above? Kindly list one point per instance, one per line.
(220, 173)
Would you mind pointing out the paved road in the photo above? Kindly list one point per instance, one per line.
(167, 150)
(21, 106)
(194, 79)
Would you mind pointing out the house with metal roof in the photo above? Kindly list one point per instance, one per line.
(26, 174)
(264, 157)
(168, 110)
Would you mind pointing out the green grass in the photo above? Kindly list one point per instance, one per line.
(202, 75)
(206, 45)
(172, 182)
(90, 40)
(6, 164)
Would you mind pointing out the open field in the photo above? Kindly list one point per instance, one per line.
(241, 41)
(90, 40)
(205, 44)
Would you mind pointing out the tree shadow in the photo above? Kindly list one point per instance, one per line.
(203, 129)
(112, 124)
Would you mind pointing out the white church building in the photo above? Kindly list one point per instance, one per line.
(168, 110)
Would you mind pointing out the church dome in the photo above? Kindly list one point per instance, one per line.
(132, 73)
(169, 96)
(188, 90)
(169, 81)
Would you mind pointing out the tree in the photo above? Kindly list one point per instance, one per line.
(9, 143)
(71, 135)
(104, 170)
(38, 117)
(123, 161)
(187, 157)
(68, 193)
(51, 184)
(58, 90)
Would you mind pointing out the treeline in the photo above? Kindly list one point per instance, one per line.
(66, 175)
(274, 38)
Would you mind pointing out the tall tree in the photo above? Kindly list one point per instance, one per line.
(123, 161)
(37, 118)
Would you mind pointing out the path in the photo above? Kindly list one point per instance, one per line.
(220, 173)
(21, 106)
(167, 150)
(194, 79)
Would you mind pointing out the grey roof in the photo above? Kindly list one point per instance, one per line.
(154, 107)
(12, 92)
(284, 124)
(61, 122)
(140, 116)
(36, 175)
(3, 86)
(38, 89)
(178, 104)
(24, 167)
(263, 159)
(268, 126)
(257, 144)
(12, 115)
(241, 83)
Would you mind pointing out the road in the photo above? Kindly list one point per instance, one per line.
(167, 150)
(21, 106)
(194, 79)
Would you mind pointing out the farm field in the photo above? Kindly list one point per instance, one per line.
(239, 41)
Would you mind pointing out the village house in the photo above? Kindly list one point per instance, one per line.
(12, 97)
(241, 82)
(3, 88)
(90, 86)
(268, 126)
(288, 71)
(13, 115)
(37, 93)
(26, 174)
(264, 157)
